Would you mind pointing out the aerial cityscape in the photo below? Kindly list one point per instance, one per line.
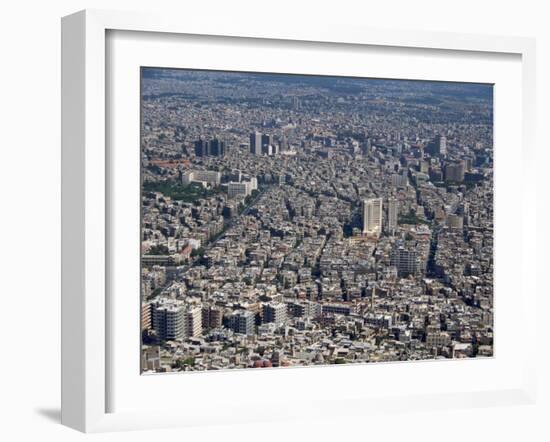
(293, 220)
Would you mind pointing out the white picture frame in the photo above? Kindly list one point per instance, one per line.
(86, 354)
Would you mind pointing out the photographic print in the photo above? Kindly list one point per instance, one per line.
(300, 220)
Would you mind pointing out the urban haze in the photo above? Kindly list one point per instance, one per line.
(292, 220)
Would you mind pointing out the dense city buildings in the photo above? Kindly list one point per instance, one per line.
(298, 220)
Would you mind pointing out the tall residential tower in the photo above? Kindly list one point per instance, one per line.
(372, 216)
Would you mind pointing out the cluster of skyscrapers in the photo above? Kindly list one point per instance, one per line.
(214, 147)
(265, 144)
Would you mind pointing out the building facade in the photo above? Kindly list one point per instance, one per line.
(393, 211)
(242, 322)
(274, 312)
(256, 143)
(372, 216)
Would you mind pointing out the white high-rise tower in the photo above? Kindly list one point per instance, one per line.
(441, 144)
(372, 216)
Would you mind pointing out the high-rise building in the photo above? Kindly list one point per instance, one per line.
(372, 216)
(174, 319)
(256, 143)
(201, 148)
(305, 309)
(454, 172)
(253, 182)
(168, 319)
(146, 323)
(193, 321)
(367, 146)
(283, 143)
(406, 260)
(393, 210)
(267, 141)
(242, 322)
(211, 317)
(217, 147)
(274, 312)
(400, 180)
(441, 144)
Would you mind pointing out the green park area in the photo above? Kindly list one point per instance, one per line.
(180, 192)
(411, 218)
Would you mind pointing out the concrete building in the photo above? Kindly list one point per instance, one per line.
(441, 144)
(438, 339)
(217, 147)
(238, 189)
(161, 260)
(405, 259)
(305, 309)
(146, 322)
(400, 180)
(193, 321)
(150, 359)
(393, 211)
(201, 148)
(338, 309)
(211, 317)
(455, 221)
(168, 318)
(210, 177)
(455, 172)
(174, 319)
(252, 182)
(256, 143)
(242, 322)
(267, 142)
(274, 312)
(372, 216)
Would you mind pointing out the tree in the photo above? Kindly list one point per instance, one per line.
(160, 249)
(197, 252)
(187, 362)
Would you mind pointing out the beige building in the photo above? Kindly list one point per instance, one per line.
(372, 216)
